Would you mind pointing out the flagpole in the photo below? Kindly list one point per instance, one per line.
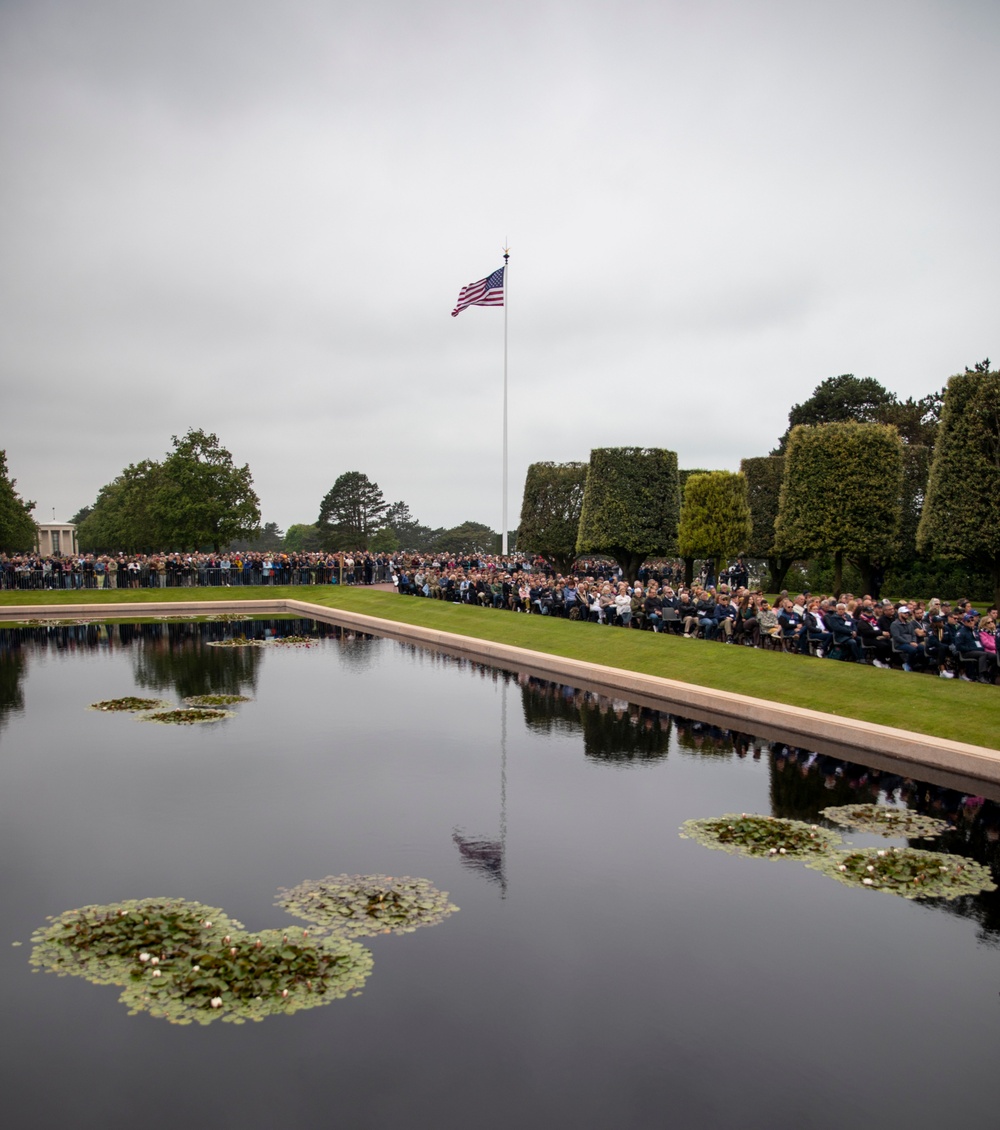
(506, 270)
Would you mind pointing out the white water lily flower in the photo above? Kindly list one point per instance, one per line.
(216, 1002)
(144, 957)
(774, 851)
(157, 973)
(154, 961)
(842, 867)
(881, 852)
(781, 851)
(868, 882)
(195, 968)
(870, 867)
(284, 993)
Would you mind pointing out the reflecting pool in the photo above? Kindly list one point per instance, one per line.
(573, 961)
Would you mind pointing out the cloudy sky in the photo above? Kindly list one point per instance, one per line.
(255, 218)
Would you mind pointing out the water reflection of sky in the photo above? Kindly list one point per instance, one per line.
(601, 971)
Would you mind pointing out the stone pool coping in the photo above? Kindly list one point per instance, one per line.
(796, 725)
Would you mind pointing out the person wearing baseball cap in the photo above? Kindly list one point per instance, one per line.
(907, 639)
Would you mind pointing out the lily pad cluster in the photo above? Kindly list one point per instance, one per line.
(768, 836)
(902, 871)
(130, 703)
(197, 708)
(292, 641)
(187, 963)
(885, 821)
(358, 906)
(212, 700)
(908, 872)
(187, 715)
(236, 641)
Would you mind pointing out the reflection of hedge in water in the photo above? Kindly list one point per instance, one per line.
(358, 906)
(187, 962)
(801, 783)
(977, 833)
(612, 729)
(637, 734)
(703, 738)
(550, 707)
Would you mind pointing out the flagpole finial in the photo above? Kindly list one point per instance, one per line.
(506, 254)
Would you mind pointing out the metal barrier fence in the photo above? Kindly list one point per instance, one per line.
(21, 577)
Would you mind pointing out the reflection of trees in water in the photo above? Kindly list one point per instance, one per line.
(612, 729)
(176, 657)
(12, 669)
(802, 783)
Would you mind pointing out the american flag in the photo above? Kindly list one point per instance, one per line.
(485, 292)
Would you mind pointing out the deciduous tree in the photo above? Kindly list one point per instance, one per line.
(204, 499)
(469, 537)
(124, 518)
(17, 530)
(961, 514)
(630, 505)
(550, 511)
(301, 537)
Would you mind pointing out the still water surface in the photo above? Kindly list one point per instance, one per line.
(601, 972)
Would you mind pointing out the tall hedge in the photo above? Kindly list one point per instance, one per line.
(715, 517)
(961, 515)
(840, 494)
(550, 511)
(764, 475)
(630, 505)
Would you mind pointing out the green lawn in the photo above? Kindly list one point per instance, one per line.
(947, 708)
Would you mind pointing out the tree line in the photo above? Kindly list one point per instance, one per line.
(196, 497)
(860, 478)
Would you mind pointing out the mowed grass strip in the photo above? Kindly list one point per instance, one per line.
(944, 708)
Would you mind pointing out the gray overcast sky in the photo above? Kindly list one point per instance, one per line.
(255, 218)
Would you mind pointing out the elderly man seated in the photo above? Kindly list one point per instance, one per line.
(844, 629)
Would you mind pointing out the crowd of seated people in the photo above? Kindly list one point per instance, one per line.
(934, 637)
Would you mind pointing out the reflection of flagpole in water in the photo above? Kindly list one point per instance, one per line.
(503, 787)
(490, 856)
